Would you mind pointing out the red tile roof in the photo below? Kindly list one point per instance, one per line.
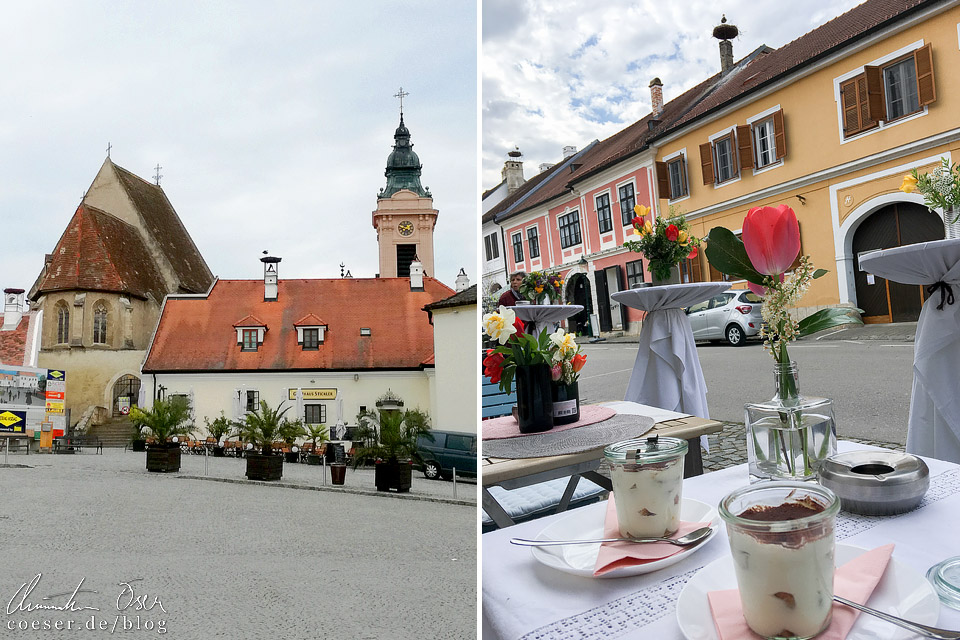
(98, 252)
(197, 334)
(309, 320)
(249, 321)
(13, 344)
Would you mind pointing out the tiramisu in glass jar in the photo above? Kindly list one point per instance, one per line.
(781, 537)
(647, 477)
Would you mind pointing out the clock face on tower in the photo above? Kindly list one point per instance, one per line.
(405, 228)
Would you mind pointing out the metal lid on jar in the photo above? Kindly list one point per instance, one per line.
(645, 450)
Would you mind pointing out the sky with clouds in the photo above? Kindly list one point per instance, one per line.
(272, 123)
(565, 72)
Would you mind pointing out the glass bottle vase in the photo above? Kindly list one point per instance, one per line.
(789, 436)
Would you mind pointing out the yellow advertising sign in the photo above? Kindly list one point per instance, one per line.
(56, 374)
(54, 406)
(314, 394)
(13, 421)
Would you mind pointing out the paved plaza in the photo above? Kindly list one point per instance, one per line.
(230, 559)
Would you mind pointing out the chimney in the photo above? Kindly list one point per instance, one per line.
(723, 32)
(545, 165)
(569, 151)
(512, 172)
(656, 97)
(270, 287)
(462, 282)
(12, 309)
(416, 275)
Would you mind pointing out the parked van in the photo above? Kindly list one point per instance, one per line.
(449, 450)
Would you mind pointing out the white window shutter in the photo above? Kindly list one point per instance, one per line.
(237, 403)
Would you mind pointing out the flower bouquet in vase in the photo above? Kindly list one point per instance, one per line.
(542, 288)
(565, 371)
(789, 435)
(526, 359)
(663, 243)
(940, 190)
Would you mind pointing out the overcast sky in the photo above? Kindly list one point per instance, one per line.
(272, 122)
(564, 72)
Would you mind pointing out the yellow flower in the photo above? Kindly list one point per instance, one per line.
(647, 227)
(565, 343)
(499, 325)
(539, 289)
(682, 237)
(637, 232)
(641, 210)
(909, 184)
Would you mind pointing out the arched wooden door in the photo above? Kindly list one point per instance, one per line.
(894, 225)
(578, 292)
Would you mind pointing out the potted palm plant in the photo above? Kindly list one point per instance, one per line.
(390, 442)
(262, 428)
(316, 433)
(218, 430)
(167, 420)
(290, 430)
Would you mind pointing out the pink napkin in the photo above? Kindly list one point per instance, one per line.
(507, 427)
(614, 555)
(854, 581)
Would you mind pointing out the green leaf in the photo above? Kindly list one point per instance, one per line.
(819, 273)
(726, 253)
(826, 318)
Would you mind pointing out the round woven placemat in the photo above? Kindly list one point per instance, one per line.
(600, 434)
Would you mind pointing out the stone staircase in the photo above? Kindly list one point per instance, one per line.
(115, 432)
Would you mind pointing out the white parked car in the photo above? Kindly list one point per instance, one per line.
(733, 316)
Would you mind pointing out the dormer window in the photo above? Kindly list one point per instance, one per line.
(250, 332)
(310, 332)
(364, 331)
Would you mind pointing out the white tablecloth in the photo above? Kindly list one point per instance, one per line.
(525, 599)
(934, 424)
(667, 371)
(537, 315)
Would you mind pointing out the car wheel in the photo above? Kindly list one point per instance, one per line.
(735, 335)
(431, 470)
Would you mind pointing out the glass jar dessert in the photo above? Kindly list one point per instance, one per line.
(782, 541)
(647, 478)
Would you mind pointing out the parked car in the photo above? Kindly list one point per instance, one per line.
(449, 450)
(733, 316)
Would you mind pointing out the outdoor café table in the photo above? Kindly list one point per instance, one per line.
(667, 371)
(522, 472)
(535, 316)
(525, 599)
(934, 423)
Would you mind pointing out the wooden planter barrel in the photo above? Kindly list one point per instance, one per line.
(393, 475)
(163, 459)
(261, 467)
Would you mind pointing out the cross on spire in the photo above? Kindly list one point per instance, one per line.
(157, 175)
(109, 146)
(401, 94)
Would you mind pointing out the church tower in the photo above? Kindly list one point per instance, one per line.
(404, 217)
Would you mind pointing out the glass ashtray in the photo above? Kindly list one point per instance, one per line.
(945, 578)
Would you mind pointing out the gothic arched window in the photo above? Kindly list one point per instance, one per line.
(63, 324)
(100, 324)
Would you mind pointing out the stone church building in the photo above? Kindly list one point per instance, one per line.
(102, 288)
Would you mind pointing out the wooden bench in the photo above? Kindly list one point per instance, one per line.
(496, 403)
(71, 444)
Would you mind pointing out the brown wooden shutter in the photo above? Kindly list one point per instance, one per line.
(780, 139)
(926, 88)
(706, 163)
(745, 146)
(876, 107)
(694, 268)
(683, 176)
(663, 181)
(715, 276)
(851, 107)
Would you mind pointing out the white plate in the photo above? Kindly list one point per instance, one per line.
(582, 524)
(901, 592)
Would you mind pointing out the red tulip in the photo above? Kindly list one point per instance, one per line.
(771, 236)
(672, 232)
(578, 361)
(518, 325)
(556, 371)
(493, 366)
(692, 254)
(637, 221)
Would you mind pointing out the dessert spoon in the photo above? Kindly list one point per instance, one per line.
(919, 629)
(691, 538)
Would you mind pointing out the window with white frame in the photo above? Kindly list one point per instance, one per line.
(569, 229)
(533, 242)
(723, 160)
(517, 240)
(628, 199)
(764, 143)
(315, 413)
(491, 246)
(252, 400)
(677, 174)
(604, 220)
(900, 91)
(311, 339)
(634, 273)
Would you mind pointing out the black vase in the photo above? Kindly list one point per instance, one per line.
(534, 398)
(566, 402)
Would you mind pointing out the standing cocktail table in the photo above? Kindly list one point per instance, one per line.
(535, 316)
